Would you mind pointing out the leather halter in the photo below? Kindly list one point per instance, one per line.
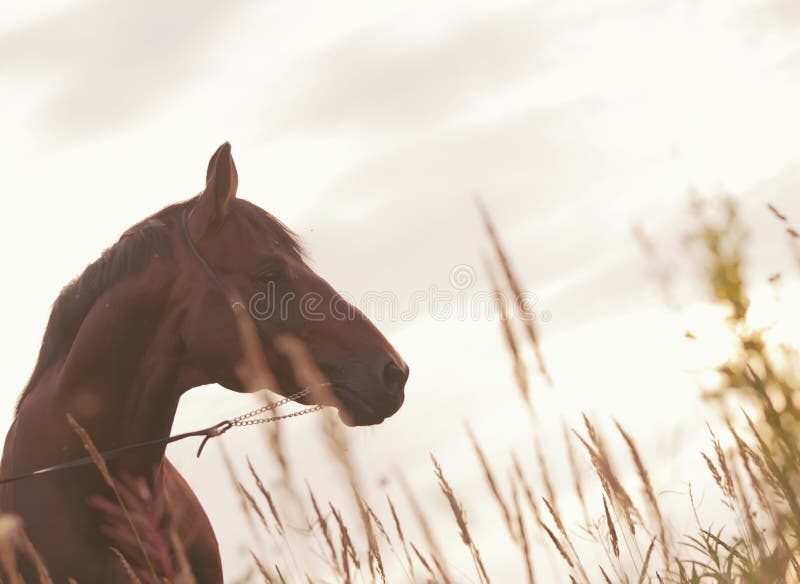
(212, 275)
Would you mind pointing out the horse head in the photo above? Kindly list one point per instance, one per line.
(255, 313)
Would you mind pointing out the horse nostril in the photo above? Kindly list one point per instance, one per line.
(394, 378)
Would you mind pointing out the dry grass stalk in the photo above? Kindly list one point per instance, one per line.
(261, 568)
(649, 492)
(274, 510)
(323, 525)
(345, 558)
(493, 486)
(244, 505)
(401, 536)
(374, 560)
(267, 496)
(755, 484)
(253, 507)
(528, 318)
(336, 440)
(252, 370)
(9, 527)
(723, 466)
(101, 465)
(423, 561)
(337, 443)
(524, 544)
(611, 484)
(440, 568)
(646, 563)
(717, 479)
(612, 532)
(420, 517)
(563, 530)
(558, 545)
(526, 488)
(27, 547)
(255, 375)
(13, 539)
(461, 520)
(347, 543)
(385, 534)
(576, 475)
(520, 371)
(149, 511)
(684, 579)
(751, 534)
(787, 489)
(185, 572)
(605, 576)
(126, 566)
(792, 232)
(275, 441)
(620, 500)
(378, 523)
(543, 466)
(373, 549)
(747, 455)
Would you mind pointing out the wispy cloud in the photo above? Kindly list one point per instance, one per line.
(109, 64)
(782, 15)
(375, 81)
(422, 195)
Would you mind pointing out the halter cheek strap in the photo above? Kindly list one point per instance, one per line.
(212, 275)
(236, 305)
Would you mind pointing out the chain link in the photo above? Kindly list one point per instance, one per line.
(249, 419)
(254, 421)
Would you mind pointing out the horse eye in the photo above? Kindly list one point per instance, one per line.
(272, 272)
(270, 275)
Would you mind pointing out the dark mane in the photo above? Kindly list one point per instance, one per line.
(128, 256)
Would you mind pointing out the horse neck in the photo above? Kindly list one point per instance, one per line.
(120, 376)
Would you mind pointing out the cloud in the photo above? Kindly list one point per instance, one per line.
(422, 219)
(109, 64)
(374, 81)
(783, 15)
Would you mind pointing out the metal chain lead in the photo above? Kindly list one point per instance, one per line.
(253, 422)
(247, 419)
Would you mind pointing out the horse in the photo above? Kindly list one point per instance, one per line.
(157, 314)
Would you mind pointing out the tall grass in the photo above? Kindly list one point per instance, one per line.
(623, 535)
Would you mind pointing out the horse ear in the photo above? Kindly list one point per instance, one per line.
(213, 203)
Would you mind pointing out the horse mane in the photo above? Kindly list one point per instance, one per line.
(128, 256)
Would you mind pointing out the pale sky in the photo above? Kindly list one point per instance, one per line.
(369, 128)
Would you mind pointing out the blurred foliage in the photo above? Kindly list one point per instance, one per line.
(761, 375)
(760, 387)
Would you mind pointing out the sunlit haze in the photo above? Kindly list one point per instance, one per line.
(372, 129)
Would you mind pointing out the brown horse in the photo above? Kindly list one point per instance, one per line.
(152, 318)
